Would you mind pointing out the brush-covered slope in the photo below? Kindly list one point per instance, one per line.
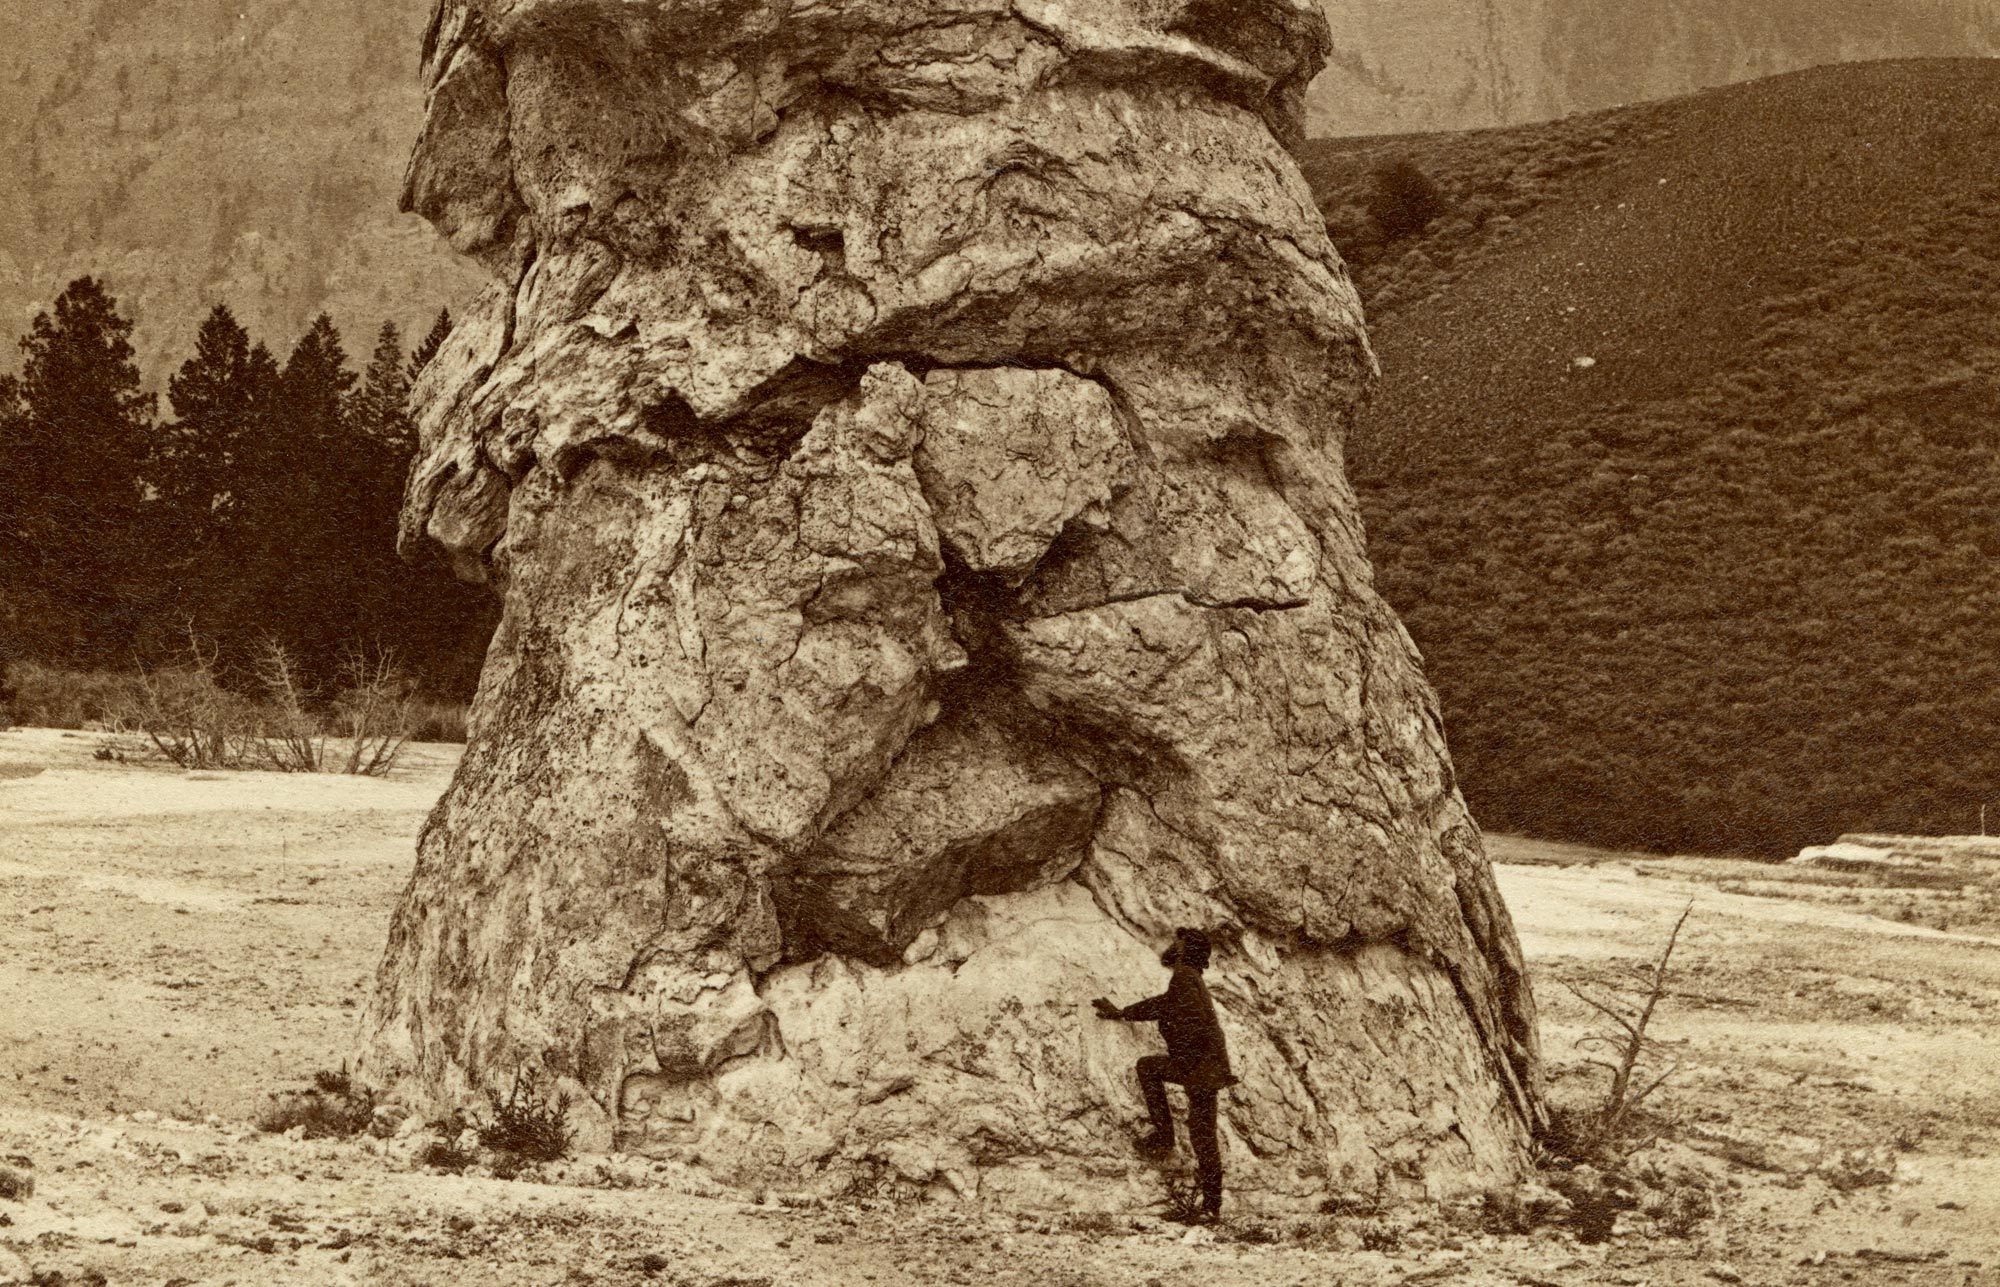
(192, 152)
(1404, 65)
(1683, 472)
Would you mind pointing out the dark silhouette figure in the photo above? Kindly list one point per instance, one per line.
(1197, 1058)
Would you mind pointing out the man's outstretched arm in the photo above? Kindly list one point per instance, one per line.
(1137, 1012)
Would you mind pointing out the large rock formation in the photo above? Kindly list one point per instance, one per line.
(906, 438)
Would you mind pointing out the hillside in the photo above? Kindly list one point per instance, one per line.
(1683, 472)
(1403, 65)
(191, 151)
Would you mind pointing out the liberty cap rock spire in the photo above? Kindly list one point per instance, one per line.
(906, 440)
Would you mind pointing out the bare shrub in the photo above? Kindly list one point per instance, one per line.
(1625, 1050)
(374, 713)
(6, 696)
(183, 712)
(528, 1124)
(371, 715)
(293, 740)
(187, 716)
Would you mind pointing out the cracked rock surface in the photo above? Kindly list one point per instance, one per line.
(906, 439)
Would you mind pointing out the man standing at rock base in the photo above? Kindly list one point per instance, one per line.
(1197, 1058)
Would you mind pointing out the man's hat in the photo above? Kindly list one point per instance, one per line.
(1194, 946)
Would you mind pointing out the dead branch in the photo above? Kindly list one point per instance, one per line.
(1628, 1045)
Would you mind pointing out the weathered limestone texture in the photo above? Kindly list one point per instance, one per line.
(906, 438)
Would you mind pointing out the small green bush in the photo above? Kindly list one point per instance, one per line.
(1405, 200)
(446, 1155)
(528, 1124)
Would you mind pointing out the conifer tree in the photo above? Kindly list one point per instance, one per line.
(385, 599)
(431, 343)
(314, 461)
(315, 387)
(222, 398)
(381, 406)
(13, 532)
(13, 448)
(75, 441)
(300, 473)
(216, 397)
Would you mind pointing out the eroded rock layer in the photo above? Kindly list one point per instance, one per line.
(906, 439)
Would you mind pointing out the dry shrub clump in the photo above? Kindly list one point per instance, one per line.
(447, 1149)
(444, 1150)
(185, 712)
(432, 720)
(1095, 1223)
(374, 714)
(1180, 1196)
(187, 715)
(446, 1155)
(332, 1106)
(51, 697)
(370, 716)
(294, 739)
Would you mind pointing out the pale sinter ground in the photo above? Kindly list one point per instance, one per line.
(174, 946)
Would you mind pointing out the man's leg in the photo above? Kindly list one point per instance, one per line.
(1153, 1070)
(1207, 1148)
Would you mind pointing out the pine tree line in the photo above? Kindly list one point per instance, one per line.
(263, 507)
